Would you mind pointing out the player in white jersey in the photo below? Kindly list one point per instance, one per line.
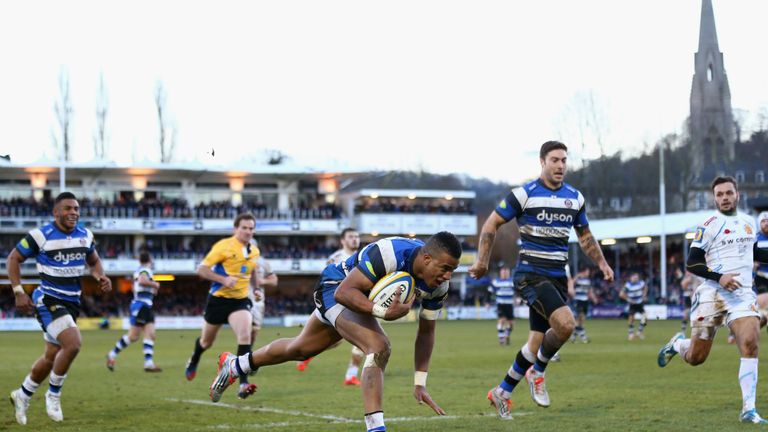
(142, 318)
(350, 243)
(262, 278)
(722, 252)
(635, 293)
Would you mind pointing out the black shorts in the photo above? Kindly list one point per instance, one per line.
(141, 314)
(506, 311)
(582, 306)
(544, 295)
(218, 309)
(52, 308)
(761, 285)
(636, 308)
(687, 302)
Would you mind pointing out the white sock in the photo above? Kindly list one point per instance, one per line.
(681, 346)
(30, 386)
(244, 362)
(374, 420)
(351, 371)
(55, 382)
(748, 382)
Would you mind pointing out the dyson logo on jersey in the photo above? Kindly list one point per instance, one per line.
(66, 259)
(544, 216)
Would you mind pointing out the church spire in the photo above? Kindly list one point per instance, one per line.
(707, 30)
(711, 124)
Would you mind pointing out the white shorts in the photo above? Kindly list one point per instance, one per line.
(257, 312)
(329, 318)
(712, 305)
(54, 329)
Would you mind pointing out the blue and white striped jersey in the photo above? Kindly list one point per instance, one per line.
(581, 287)
(545, 218)
(762, 243)
(634, 291)
(60, 258)
(504, 290)
(392, 254)
(141, 293)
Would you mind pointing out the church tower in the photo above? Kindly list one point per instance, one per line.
(711, 125)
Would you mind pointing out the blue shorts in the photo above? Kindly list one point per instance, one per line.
(327, 307)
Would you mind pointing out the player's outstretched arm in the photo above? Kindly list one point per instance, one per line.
(425, 341)
(592, 249)
(97, 271)
(487, 237)
(13, 264)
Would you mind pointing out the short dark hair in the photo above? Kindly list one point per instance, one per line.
(244, 216)
(64, 195)
(724, 179)
(445, 242)
(549, 146)
(345, 231)
(144, 257)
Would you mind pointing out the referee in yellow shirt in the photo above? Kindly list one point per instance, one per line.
(230, 267)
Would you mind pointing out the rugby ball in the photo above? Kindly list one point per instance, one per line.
(385, 290)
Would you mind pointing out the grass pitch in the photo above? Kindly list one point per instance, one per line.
(609, 384)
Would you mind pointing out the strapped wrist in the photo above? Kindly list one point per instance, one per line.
(18, 289)
(378, 311)
(420, 378)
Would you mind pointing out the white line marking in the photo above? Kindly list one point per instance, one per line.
(331, 418)
(263, 409)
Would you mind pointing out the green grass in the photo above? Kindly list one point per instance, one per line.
(608, 385)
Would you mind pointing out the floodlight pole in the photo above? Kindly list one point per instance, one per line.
(62, 169)
(662, 214)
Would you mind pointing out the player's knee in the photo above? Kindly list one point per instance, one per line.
(749, 348)
(565, 328)
(133, 338)
(695, 359)
(379, 357)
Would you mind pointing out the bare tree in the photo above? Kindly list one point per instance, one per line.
(63, 110)
(100, 137)
(167, 128)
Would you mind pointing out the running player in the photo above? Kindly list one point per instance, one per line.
(503, 288)
(230, 266)
(583, 295)
(545, 209)
(344, 311)
(142, 319)
(264, 278)
(350, 243)
(723, 252)
(635, 293)
(62, 250)
(761, 269)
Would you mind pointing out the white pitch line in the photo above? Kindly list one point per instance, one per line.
(331, 418)
(263, 409)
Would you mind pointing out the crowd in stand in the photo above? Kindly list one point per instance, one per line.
(164, 208)
(178, 302)
(385, 205)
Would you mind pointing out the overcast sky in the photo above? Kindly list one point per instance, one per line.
(449, 86)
